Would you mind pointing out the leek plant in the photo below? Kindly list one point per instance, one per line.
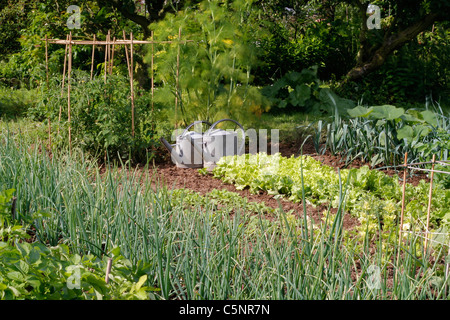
(383, 134)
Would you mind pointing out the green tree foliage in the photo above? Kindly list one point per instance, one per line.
(25, 66)
(239, 46)
(392, 62)
(143, 13)
(12, 20)
(415, 71)
(403, 22)
(302, 34)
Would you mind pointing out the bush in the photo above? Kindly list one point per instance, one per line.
(101, 118)
(215, 70)
(15, 103)
(415, 71)
(301, 44)
(301, 92)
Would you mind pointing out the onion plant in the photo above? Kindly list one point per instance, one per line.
(197, 252)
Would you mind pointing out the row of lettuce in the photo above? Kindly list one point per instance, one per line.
(370, 195)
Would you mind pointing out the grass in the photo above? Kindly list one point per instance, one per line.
(29, 130)
(196, 252)
(15, 102)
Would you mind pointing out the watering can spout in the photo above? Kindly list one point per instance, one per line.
(171, 150)
(166, 144)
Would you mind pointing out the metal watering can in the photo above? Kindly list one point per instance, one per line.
(196, 149)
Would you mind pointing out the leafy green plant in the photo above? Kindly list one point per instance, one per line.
(101, 118)
(301, 91)
(35, 271)
(32, 270)
(443, 177)
(372, 196)
(222, 201)
(9, 230)
(383, 134)
(212, 77)
(419, 133)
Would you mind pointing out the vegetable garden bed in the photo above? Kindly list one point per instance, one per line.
(192, 236)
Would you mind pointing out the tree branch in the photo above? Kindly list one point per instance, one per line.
(393, 42)
(157, 11)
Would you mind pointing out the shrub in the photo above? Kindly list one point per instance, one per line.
(15, 103)
(301, 91)
(215, 70)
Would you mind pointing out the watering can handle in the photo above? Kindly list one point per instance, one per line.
(192, 124)
(242, 128)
